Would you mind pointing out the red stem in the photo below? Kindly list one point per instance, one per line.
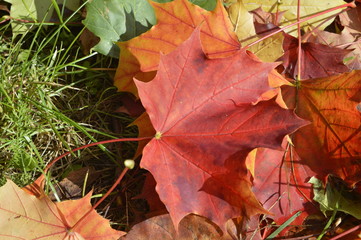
(351, 4)
(299, 57)
(6, 19)
(93, 144)
(346, 232)
(116, 182)
(104, 196)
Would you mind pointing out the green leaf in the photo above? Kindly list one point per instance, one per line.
(117, 20)
(24, 10)
(335, 196)
(208, 5)
(308, 7)
(35, 11)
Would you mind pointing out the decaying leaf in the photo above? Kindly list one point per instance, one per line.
(352, 20)
(161, 227)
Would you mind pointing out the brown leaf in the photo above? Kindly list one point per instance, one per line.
(345, 40)
(88, 40)
(149, 193)
(161, 227)
(263, 17)
(317, 60)
(71, 186)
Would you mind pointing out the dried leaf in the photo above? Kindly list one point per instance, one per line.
(161, 227)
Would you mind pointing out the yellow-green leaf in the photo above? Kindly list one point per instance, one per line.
(308, 7)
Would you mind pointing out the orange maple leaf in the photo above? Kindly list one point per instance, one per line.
(25, 216)
(176, 21)
(331, 144)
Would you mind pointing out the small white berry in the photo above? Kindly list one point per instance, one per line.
(129, 163)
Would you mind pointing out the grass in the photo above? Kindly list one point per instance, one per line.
(51, 102)
(52, 99)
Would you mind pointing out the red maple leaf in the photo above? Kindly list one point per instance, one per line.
(176, 21)
(281, 184)
(318, 60)
(206, 120)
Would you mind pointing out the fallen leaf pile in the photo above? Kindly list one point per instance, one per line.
(238, 132)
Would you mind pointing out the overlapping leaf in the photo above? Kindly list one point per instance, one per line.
(115, 20)
(243, 22)
(347, 39)
(331, 144)
(206, 122)
(25, 216)
(317, 60)
(336, 197)
(344, 40)
(307, 7)
(175, 22)
(161, 227)
(32, 10)
(281, 184)
(249, 31)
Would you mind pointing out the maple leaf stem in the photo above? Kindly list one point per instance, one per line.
(351, 4)
(125, 170)
(299, 57)
(346, 232)
(7, 18)
(94, 144)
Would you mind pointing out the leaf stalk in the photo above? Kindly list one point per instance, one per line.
(351, 4)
